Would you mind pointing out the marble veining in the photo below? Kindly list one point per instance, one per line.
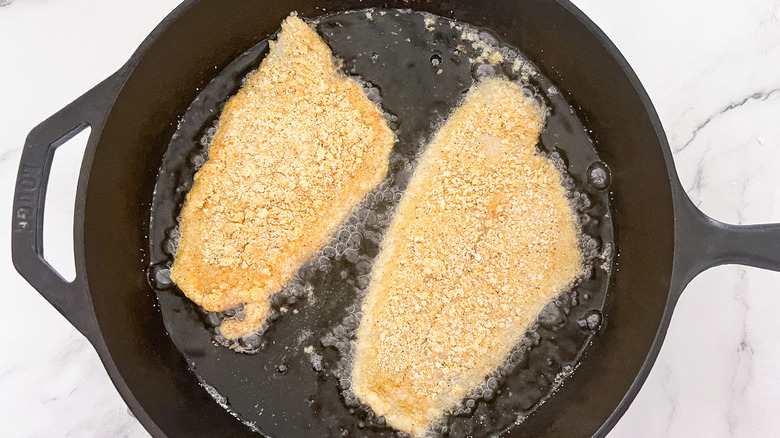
(711, 68)
(758, 96)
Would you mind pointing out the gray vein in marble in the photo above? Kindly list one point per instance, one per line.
(742, 377)
(757, 96)
(695, 191)
(9, 153)
(740, 210)
(671, 397)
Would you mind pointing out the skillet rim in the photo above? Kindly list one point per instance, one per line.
(679, 197)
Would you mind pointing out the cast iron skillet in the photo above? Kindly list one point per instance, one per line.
(663, 240)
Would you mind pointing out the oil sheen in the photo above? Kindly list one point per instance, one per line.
(293, 378)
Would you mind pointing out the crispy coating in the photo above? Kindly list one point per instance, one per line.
(483, 238)
(294, 151)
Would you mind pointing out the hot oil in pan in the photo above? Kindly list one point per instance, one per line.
(295, 382)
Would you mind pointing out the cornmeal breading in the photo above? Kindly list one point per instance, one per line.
(483, 238)
(294, 151)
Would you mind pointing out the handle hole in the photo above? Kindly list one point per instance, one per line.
(60, 203)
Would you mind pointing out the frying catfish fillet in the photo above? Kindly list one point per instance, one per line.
(294, 151)
(483, 238)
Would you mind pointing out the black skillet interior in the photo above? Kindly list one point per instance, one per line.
(180, 57)
(420, 65)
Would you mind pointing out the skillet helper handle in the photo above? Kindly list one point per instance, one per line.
(71, 299)
(706, 243)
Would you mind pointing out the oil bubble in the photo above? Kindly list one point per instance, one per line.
(197, 160)
(435, 60)
(169, 247)
(591, 320)
(363, 281)
(351, 255)
(160, 277)
(213, 319)
(484, 71)
(599, 175)
(251, 342)
(488, 38)
(329, 252)
(551, 316)
(233, 311)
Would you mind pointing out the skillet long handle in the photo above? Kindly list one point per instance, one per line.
(71, 299)
(704, 243)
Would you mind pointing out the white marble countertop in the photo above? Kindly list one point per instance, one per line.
(712, 69)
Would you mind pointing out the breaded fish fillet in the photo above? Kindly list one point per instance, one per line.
(294, 151)
(483, 238)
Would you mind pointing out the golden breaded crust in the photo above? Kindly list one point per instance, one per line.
(294, 151)
(483, 238)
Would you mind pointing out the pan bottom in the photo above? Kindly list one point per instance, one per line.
(295, 379)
